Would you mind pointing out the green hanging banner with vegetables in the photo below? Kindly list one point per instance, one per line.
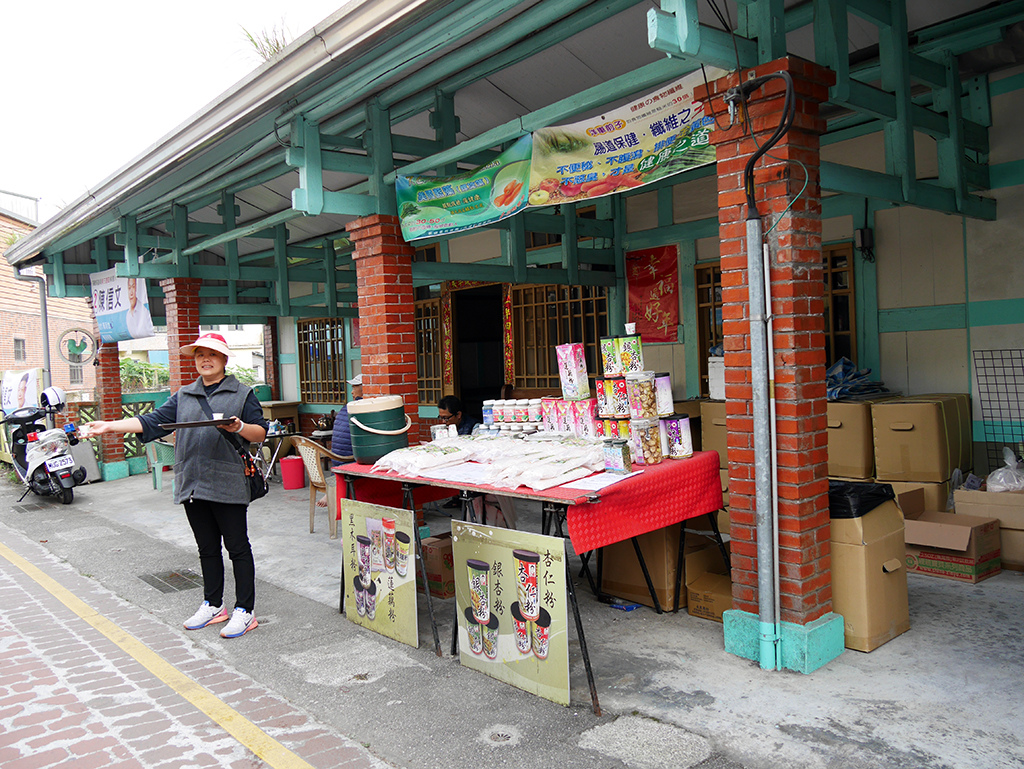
(429, 206)
(657, 135)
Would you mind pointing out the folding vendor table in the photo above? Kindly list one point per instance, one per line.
(658, 496)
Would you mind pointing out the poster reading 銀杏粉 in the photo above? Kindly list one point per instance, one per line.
(510, 603)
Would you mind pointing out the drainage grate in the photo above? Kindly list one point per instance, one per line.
(26, 508)
(173, 581)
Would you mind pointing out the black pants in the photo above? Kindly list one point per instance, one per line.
(212, 522)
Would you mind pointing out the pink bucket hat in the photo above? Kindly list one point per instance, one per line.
(210, 341)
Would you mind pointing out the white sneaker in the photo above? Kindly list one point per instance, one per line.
(241, 622)
(206, 615)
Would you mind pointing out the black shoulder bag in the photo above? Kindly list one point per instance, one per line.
(257, 483)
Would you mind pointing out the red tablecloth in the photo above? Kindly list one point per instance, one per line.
(664, 494)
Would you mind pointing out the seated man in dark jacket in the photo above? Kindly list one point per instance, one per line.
(341, 436)
(449, 412)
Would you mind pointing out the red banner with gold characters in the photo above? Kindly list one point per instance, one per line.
(653, 278)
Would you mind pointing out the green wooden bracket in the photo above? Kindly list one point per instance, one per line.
(950, 150)
(513, 247)
(382, 156)
(229, 213)
(100, 254)
(59, 285)
(675, 30)
(179, 214)
(766, 21)
(894, 58)
(446, 125)
(330, 268)
(309, 195)
(131, 245)
(281, 262)
(831, 46)
(570, 244)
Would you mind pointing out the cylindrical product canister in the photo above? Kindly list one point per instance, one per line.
(488, 412)
(646, 441)
(631, 353)
(663, 393)
(625, 429)
(616, 456)
(602, 396)
(522, 409)
(534, 410)
(640, 393)
(610, 365)
(499, 411)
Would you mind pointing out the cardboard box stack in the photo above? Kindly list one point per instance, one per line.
(869, 579)
(1008, 508)
(922, 438)
(708, 582)
(439, 564)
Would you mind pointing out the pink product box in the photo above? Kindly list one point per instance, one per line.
(584, 415)
(548, 414)
(563, 416)
(572, 371)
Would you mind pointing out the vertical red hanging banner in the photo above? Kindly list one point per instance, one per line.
(653, 278)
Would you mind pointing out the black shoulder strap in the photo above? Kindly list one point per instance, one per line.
(235, 442)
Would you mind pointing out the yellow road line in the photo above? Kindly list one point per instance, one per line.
(234, 723)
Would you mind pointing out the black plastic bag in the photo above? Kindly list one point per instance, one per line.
(849, 499)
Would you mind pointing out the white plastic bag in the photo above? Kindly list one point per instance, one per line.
(1008, 478)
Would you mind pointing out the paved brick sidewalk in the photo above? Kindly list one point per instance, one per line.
(72, 697)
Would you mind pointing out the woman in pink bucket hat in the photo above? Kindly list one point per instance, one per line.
(208, 475)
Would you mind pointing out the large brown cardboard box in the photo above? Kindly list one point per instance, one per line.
(964, 548)
(714, 436)
(1008, 507)
(851, 448)
(869, 578)
(622, 577)
(921, 438)
(708, 582)
(439, 564)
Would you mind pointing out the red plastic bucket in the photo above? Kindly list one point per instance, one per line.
(293, 474)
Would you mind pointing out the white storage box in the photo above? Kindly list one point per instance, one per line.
(716, 378)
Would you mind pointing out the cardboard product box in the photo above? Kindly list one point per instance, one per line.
(622, 577)
(851, 449)
(708, 582)
(714, 436)
(959, 547)
(869, 577)
(936, 495)
(439, 564)
(1008, 507)
(920, 438)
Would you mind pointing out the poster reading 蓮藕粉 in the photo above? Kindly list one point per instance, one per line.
(429, 206)
(660, 134)
(380, 569)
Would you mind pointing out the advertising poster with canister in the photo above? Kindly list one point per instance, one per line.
(380, 569)
(511, 605)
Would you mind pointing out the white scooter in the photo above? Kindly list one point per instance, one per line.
(42, 458)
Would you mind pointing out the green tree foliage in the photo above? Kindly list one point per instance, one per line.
(139, 376)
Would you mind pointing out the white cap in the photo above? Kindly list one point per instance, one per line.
(356, 380)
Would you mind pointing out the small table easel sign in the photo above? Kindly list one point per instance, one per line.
(380, 569)
(510, 596)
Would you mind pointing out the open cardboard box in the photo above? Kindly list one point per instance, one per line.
(1008, 507)
(708, 582)
(964, 548)
(439, 564)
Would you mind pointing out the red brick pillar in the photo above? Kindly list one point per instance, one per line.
(181, 304)
(108, 387)
(386, 311)
(799, 342)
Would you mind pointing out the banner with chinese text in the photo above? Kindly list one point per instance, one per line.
(429, 206)
(657, 135)
(120, 306)
(379, 549)
(511, 606)
(652, 275)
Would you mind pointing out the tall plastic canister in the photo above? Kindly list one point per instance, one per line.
(379, 426)
(293, 473)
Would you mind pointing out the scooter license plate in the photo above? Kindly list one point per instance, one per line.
(60, 463)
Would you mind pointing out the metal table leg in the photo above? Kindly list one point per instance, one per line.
(583, 641)
(647, 575)
(410, 505)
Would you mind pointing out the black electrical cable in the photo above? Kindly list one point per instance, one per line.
(789, 112)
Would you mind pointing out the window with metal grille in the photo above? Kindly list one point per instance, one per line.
(19, 350)
(544, 317)
(708, 281)
(322, 360)
(840, 315)
(75, 375)
(429, 379)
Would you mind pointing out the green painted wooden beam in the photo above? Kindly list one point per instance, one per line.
(676, 31)
(130, 229)
(382, 157)
(616, 88)
(244, 231)
(281, 264)
(946, 316)
(308, 197)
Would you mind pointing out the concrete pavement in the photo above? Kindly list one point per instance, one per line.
(946, 694)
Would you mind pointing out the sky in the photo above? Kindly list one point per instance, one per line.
(90, 86)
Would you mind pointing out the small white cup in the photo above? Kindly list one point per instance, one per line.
(218, 415)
